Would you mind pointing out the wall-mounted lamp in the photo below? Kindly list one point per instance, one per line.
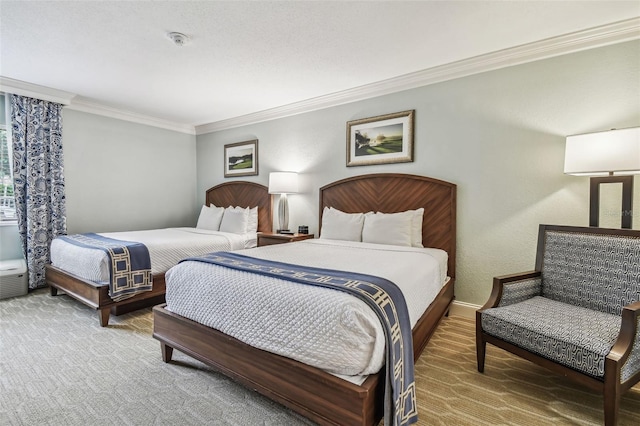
(283, 183)
(610, 157)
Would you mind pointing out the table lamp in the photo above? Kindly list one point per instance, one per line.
(283, 183)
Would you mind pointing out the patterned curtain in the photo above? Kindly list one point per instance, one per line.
(36, 128)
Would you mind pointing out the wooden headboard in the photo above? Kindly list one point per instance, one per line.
(393, 193)
(244, 194)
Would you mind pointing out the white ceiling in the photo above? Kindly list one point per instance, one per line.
(251, 56)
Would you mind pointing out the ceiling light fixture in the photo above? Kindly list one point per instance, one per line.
(179, 39)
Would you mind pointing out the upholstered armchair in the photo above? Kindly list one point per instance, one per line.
(577, 313)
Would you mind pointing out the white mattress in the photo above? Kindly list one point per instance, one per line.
(166, 248)
(321, 327)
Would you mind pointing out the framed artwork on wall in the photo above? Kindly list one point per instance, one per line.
(380, 140)
(241, 159)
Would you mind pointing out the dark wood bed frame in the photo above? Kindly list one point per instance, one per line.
(309, 391)
(235, 193)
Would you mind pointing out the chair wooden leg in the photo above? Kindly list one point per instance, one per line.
(611, 407)
(480, 352)
(481, 344)
(53, 290)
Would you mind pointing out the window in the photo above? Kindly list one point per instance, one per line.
(7, 201)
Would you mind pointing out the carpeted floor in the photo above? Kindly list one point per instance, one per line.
(59, 367)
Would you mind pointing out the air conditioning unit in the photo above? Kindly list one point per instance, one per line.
(13, 278)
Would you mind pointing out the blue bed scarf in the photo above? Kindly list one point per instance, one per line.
(129, 265)
(383, 296)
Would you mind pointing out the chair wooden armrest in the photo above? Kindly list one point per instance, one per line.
(499, 286)
(627, 336)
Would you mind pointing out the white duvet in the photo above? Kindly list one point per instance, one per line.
(166, 248)
(321, 327)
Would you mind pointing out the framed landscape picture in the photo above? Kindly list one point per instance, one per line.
(379, 140)
(241, 159)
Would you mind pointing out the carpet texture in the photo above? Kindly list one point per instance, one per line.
(59, 367)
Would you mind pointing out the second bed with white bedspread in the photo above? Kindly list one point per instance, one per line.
(166, 248)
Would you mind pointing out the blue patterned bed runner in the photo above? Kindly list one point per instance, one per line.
(129, 266)
(383, 296)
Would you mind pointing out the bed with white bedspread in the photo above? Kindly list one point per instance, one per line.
(318, 350)
(240, 208)
(321, 327)
(166, 248)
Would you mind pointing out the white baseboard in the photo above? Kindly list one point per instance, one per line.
(463, 309)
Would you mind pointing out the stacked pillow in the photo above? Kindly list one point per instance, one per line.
(210, 217)
(337, 225)
(400, 229)
(236, 220)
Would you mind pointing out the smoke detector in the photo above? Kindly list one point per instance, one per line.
(178, 39)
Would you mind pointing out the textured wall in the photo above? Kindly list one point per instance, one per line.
(498, 135)
(122, 176)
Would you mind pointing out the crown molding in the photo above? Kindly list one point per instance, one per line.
(85, 105)
(617, 32)
(78, 103)
(604, 35)
(22, 88)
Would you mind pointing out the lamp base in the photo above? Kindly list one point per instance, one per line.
(284, 231)
(283, 214)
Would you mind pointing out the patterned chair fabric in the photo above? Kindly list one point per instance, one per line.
(571, 314)
(633, 362)
(521, 290)
(570, 335)
(599, 272)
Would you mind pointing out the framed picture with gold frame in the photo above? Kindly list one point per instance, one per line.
(380, 140)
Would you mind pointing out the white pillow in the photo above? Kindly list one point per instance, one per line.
(235, 220)
(338, 225)
(392, 228)
(210, 218)
(416, 227)
(252, 224)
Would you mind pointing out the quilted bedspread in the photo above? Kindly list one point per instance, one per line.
(382, 296)
(321, 327)
(166, 248)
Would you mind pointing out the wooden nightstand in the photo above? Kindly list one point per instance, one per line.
(269, 238)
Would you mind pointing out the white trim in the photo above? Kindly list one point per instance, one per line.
(22, 88)
(604, 35)
(83, 105)
(463, 309)
(617, 32)
(77, 103)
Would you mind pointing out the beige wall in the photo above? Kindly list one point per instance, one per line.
(498, 135)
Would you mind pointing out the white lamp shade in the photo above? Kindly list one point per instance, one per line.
(602, 153)
(283, 183)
